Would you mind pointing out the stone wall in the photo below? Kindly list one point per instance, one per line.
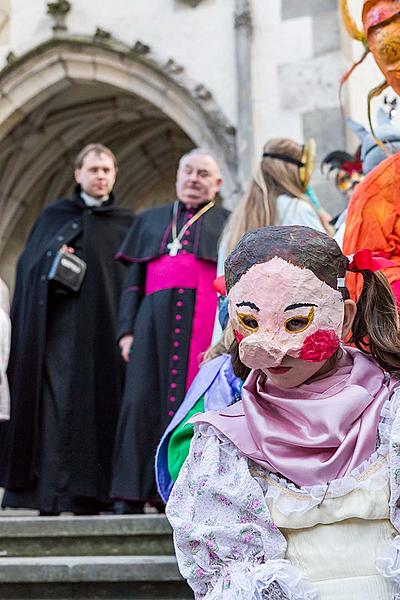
(297, 54)
(297, 67)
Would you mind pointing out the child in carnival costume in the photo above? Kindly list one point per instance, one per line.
(292, 493)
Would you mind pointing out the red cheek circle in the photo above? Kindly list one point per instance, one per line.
(319, 346)
(238, 336)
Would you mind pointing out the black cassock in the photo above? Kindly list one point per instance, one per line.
(65, 371)
(162, 317)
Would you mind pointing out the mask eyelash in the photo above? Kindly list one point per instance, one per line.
(300, 323)
(248, 321)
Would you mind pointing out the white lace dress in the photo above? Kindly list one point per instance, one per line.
(241, 531)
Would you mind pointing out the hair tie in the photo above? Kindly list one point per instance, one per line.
(366, 259)
(220, 285)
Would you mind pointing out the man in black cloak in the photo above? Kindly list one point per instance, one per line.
(65, 371)
(166, 318)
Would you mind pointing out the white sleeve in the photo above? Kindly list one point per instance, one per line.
(306, 215)
(5, 338)
(5, 327)
(226, 544)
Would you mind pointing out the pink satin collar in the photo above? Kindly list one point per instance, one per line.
(316, 432)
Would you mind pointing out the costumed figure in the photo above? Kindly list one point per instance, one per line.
(5, 339)
(350, 171)
(292, 493)
(385, 140)
(373, 221)
(65, 371)
(380, 36)
(166, 319)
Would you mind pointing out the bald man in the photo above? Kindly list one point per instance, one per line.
(166, 319)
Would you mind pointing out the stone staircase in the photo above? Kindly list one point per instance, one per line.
(110, 557)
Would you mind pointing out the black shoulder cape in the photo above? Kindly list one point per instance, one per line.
(147, 236)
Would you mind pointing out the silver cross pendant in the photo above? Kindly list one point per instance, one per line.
(174, 247)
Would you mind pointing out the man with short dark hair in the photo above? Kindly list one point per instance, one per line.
(65, 371)
(166, 319)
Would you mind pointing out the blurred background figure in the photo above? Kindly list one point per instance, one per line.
(65, 371)
(165, 320)
(373, 149)
(214, 387)
(277, 194)
(348, 173)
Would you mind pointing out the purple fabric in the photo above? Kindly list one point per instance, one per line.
(313, 433)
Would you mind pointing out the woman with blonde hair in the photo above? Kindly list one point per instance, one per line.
(277, 194)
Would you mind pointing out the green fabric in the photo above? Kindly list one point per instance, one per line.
(179, 441)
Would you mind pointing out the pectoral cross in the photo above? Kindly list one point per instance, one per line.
(174, 247)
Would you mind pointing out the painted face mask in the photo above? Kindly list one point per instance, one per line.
(279, 309)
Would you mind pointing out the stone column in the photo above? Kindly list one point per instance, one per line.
(245, 142)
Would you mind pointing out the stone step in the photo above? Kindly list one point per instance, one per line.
(86, 536)
(89, 577)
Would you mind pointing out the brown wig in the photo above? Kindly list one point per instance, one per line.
(376, 326)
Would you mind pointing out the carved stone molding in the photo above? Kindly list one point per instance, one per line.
(140, 48)
(102, 34)
(201, 92)
(58, 11)
(11, 58)
(172, 67)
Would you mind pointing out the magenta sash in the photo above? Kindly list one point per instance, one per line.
(187, 272)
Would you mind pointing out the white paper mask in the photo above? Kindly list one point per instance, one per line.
(278, 309)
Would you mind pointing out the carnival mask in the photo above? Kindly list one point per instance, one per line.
(279, 309)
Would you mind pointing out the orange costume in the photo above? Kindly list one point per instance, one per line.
(373, 221)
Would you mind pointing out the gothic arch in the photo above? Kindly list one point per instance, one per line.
(67, 92)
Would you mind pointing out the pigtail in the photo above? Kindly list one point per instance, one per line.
(376, 325)
(239, 368)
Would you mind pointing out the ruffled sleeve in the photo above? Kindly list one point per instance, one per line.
(227, 546)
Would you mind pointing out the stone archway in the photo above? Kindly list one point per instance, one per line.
(67, 93)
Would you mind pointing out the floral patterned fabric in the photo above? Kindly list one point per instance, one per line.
(228, 547)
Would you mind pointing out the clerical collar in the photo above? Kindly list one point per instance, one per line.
(184, 207)
(90, 201)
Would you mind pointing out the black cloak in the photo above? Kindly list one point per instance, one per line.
(154, 367)
(91, 378)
